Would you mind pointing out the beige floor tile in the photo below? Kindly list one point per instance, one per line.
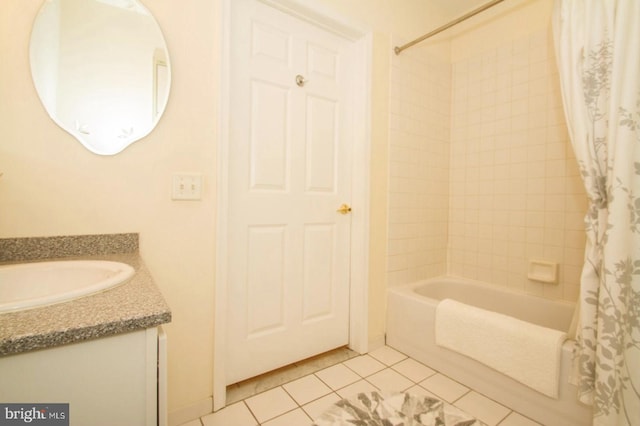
(338, 376)
(316, 408)
(364, 365)
(254, 386)
(192, 423)
(232, 415)
(293, 418)
(297, 398)
(270, 404)
(413, 370)
(445, 388)
(420, 391)
(327, 359)
(515, 419)
(387, 355)
(389, 380)
(307, 389)
(482, 408)
(361, 386)
(247, 388)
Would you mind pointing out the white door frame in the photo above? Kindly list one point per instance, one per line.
(309, 11)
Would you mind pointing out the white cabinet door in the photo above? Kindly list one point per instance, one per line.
(290, 147)
(108, 381)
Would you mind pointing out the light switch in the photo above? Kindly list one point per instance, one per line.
(186, 186)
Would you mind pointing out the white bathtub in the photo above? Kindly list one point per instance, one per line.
(411, 325)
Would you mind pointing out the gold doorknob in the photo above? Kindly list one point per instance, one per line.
(344, 209)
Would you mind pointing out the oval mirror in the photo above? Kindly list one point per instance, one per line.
(101, 69)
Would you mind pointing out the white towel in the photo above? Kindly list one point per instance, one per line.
(523, 351)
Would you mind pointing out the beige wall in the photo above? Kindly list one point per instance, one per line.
(53, 186)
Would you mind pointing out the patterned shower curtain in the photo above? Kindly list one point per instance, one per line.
(598, 52)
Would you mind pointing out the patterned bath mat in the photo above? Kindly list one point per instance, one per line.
(399, 409)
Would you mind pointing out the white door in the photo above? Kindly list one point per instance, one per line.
(290, 149)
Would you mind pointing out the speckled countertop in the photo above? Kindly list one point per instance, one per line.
(133, 305)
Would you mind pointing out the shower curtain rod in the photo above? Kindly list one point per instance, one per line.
(447, 26)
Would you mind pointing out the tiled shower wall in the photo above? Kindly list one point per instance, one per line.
(482, 175)
(516, 193)
(420, 102)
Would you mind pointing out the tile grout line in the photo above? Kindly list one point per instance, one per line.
(483, 395)
(504, 418)
(391, 366)
(244, 401)
(469, 390)
(325, 383)
(297, 403)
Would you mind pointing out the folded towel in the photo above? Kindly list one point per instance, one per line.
(523, 351)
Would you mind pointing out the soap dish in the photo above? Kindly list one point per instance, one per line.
(543, 271)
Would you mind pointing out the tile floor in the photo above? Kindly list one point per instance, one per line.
(299, 400)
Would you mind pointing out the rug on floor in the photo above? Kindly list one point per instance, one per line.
(397, 409)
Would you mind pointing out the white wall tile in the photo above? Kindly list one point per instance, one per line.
(530, 183)
(419, 151)
(482, 174)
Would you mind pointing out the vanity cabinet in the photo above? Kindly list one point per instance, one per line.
(114, 380)
(104, 353)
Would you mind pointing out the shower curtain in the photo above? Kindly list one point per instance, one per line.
(598, 54)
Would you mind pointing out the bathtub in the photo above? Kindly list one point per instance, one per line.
(411, 325)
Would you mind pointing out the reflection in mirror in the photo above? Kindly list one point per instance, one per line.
(101, 69)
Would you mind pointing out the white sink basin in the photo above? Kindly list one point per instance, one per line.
(30, 285)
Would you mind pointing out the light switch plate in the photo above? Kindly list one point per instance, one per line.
(186, 186)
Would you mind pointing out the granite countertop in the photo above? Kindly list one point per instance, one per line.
(133, 305)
